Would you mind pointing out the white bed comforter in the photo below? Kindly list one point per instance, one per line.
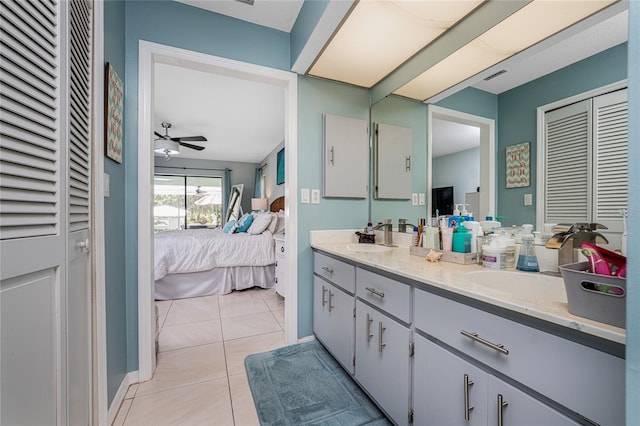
(195, 250)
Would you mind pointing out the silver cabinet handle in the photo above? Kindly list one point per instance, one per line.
(324, 290)
(327, 269)
(501, 404)
(374, 291)
(407, 163)
(467, 406)
(380, 330)
(332, 153)
(474, 336)
(369, 321)
(330, 296)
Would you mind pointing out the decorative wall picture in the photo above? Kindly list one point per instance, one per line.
(114, 102)
(280, 167)
(518, 165)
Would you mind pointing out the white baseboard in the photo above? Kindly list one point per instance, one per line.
(307, 338)
(130, 379)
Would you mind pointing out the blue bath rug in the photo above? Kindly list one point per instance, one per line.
(303, 385)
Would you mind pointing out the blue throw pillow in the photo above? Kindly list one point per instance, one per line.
(230, 227)
(244, 223)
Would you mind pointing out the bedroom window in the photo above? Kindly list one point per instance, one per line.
(182, 202)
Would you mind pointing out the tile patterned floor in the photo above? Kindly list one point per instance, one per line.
(200, 377)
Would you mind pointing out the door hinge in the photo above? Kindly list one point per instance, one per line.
(410, 417)
(412, 349)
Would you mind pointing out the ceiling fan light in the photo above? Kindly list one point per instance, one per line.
(166, 147)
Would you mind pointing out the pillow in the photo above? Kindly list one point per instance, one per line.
(230, 227)
(273, 224)
(244, 222)
(260, 223)
(280, 225)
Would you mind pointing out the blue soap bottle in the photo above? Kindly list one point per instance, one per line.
(527, 261)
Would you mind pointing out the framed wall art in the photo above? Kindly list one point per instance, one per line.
(280, 167)
(518, 165)
(114, 105)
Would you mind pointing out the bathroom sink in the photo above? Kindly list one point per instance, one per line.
(368, 248)
(522, 285)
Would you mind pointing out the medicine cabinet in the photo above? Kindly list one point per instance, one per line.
(345, 145)
(392, 160)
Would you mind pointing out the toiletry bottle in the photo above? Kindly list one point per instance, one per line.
(461, 240)
(493, 256)
(416, 237)
(447, 238)
(454, 220)
(369, 228)
(527, 261)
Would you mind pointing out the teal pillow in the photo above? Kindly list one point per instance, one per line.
(244, 223)
(230, 227)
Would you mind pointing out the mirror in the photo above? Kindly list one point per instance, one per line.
(234, 210)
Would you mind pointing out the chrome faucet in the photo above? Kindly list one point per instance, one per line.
(388, 232)
(569, 239)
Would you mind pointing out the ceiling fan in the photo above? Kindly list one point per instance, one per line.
(165, 144)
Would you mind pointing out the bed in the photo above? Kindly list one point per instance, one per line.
(200, 262)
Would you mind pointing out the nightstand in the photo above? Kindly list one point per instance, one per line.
(281, 265)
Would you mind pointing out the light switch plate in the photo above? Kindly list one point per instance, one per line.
(421, 197)
(528, 199)
(106, 184)
(304, 195)
(315, 196)
(414, 199)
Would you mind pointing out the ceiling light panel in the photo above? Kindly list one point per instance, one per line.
(531, 24)
(379, 35)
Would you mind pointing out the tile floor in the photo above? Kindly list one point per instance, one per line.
(200, 377)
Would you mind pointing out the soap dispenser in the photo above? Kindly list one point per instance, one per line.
(461, 240)
(527, 261)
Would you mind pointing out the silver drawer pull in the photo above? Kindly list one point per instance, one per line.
(474, 336)
(330, 296)
(369, 321)
(501, 404)
(467, 407)
(374, 291)
(324, 290)
(327, 269)
(380, 330)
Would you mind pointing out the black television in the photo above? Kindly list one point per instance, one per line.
(442, 200)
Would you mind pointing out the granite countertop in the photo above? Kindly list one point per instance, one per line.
(551, 306)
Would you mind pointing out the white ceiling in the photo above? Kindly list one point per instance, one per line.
(244, 120)
(449, 137)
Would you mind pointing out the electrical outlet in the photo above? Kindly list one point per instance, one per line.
(304, 195)
(528, 199)
(315, 196)
(414, 199)
(421, 198)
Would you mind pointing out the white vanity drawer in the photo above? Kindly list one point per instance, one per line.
(340, 273)
(391, 296)
(583, 379)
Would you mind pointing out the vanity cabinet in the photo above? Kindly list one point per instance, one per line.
(451, 391)
(345, 163)
(333, 307)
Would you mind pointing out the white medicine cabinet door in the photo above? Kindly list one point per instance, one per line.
(393, 149)
(345, 157)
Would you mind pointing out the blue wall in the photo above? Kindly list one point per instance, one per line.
(404, 112)
(517, 113)
(175, 24)
(460, 170)
(316, 97)
(114, 207)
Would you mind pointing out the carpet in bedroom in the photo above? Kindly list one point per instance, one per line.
(302, 384)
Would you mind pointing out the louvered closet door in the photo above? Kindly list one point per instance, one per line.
(567, 176)
(44, 323)
(610, 160)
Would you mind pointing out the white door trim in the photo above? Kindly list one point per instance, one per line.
(487, 153)
(149, 54)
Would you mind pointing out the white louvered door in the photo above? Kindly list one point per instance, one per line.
(44, 213)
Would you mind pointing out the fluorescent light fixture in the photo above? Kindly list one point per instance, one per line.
(166, 147)
(379, 35)
(533, 23)
(259, 204)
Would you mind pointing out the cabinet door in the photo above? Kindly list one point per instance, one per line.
(382, 360)
(511, 407)
(333, 321)
(346, 157)
(446, 389)
(393, 148)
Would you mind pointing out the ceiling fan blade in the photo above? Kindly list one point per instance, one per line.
(190, 139)
(159, 135)
(188, 145)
